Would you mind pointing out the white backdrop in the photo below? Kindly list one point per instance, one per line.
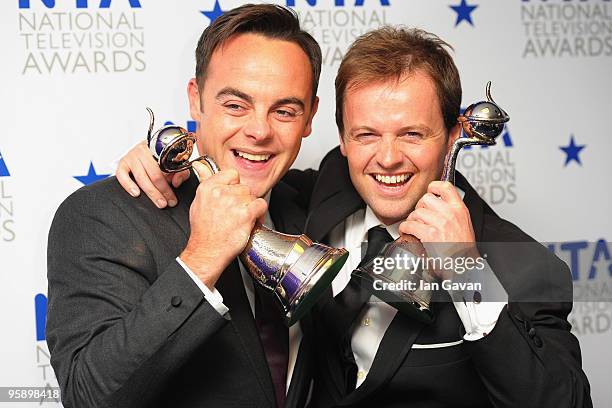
(76, 76)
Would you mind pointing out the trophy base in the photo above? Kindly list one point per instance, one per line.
(319, 279)
(406, 302)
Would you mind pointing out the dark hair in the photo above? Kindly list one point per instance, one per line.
(392, 52)
(269, 20)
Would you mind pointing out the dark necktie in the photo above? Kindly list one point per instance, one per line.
(274, 337)
(353, 298)
(378, 237)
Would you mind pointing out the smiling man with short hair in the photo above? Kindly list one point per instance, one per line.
(152, 309)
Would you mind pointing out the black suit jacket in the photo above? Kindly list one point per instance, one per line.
(530, 359)
(127, 327)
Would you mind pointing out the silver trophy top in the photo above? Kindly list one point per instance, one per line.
(484, 120)
(482, 123)
(170, 145)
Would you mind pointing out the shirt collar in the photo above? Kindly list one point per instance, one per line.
(371, 221)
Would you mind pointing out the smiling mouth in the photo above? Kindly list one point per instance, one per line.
(392, 180)
(254, 158)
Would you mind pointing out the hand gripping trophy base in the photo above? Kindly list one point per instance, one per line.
(414, 302)
(293, 267)
(482, 122)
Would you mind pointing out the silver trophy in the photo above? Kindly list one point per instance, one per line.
(482, 123)
(294, 269)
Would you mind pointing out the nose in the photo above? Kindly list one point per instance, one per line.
(258, 127)
(388, 154)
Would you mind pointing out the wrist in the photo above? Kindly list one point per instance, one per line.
(206, 268)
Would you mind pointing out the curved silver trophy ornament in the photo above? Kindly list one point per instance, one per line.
(482, 123)
(295, 269)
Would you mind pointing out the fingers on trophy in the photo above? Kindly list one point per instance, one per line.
(482, 123)
(294, 269)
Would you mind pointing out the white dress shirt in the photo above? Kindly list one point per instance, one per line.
(478, 319)
(216, 301)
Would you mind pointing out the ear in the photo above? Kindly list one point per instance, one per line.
(194, 100)
(454, 134)
(342, 146)
(313, 111)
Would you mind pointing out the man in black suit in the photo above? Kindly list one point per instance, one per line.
(150, 308)
(397, 121)
(398, 96)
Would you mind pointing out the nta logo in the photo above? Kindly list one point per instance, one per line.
(337, 3)
(25, 4)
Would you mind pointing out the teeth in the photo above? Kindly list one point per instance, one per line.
(253, 157)
(401, 178)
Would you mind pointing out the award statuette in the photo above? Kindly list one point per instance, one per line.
(482, 122)
(295, 269)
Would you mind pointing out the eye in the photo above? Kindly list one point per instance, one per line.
(412, 135)
(365, 136)
(234, 106)
(285, 115)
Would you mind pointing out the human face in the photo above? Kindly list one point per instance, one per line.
(395, 142)
(255, 108)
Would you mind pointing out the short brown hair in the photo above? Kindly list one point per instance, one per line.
(269, 20)
(392, 52)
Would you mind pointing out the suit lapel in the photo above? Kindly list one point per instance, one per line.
(474, 203)
(328, 343)
(395, 345)
(230, 284)
(185, 195)
(304, 367)
(333, 199)
(287, 214)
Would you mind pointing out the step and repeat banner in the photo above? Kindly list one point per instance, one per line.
(76, 76)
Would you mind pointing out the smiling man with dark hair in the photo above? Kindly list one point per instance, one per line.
(150, 308)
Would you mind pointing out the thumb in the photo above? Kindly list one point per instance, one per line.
(202, 171)
(258, 209)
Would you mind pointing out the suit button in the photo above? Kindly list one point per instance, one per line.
(532, 332)
(537, 341)
(176, 301)
(477, 297)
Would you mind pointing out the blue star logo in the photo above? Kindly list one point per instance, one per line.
(214, 13)
(3, 169)
(91, 176)
(572, 150)
(464, 12)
